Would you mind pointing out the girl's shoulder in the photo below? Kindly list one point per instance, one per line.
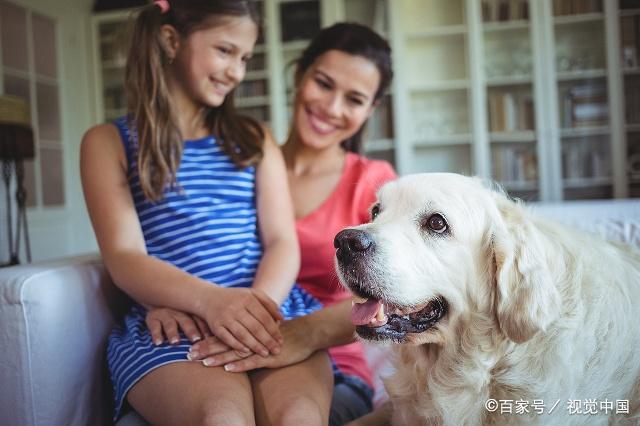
(101, 131)
(103, 141)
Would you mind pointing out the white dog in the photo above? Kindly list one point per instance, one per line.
(492, 303)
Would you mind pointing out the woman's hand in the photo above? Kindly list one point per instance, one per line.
(245, 319)
(297, 347)
(166, 322)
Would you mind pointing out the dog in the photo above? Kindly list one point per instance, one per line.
(492, 306)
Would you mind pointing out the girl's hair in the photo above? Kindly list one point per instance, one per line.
(148, 100)
(354, 39)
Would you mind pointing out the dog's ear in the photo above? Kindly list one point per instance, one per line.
(526, 299)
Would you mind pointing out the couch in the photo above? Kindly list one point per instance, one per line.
(55, 317)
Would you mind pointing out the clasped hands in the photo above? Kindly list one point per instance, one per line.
(288, 344)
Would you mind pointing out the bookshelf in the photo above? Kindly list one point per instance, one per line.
(629, 18)
(529, 93)
(266, 92)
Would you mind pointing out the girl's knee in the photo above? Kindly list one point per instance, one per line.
(300, 411)
(224, 412)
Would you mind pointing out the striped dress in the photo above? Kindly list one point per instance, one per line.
(207, 226)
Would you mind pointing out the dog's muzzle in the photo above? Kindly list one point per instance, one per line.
(355, 250)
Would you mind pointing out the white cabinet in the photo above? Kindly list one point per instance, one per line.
(525, 92)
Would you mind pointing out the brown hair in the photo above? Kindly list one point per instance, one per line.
(354, 39)
(148, 101)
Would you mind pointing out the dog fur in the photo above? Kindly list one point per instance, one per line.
(536, 311)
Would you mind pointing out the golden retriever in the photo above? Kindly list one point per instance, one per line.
(503, 317)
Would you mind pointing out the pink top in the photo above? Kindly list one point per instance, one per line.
(348, 205)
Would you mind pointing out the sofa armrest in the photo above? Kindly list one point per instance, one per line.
(54, 321)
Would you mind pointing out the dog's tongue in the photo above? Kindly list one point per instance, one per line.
(363, 313)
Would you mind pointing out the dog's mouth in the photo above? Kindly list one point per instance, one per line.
(378, 320)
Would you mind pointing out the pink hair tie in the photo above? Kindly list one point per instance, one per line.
(163, 5)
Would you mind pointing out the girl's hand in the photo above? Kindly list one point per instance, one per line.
(244, 319)
(168, 322)
(297, 347)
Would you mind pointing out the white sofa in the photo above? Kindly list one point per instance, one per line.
(55, 317)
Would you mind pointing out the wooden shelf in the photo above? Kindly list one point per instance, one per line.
(577, 19)
(444, 140)
(440, 86)
(375, 145)
(511, 80)
(577, 132)
(523, 136)
(520, 185)
(586, 182)
(256, 75)
(250, 101)
(506, 26)
(581, 74)
(444, 31)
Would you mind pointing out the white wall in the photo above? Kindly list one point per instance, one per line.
(66, 231)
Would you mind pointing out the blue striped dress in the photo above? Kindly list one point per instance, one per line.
(207, 226)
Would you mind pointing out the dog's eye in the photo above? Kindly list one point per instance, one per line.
(375, 211)
(437, 223)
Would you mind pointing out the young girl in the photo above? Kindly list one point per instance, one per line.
(190, 208)
(340, 79)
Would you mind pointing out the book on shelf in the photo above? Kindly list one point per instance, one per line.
(632, 99)
(585, 160)
(510, 112)
(629, 4)
(629, 38)
(300, 20)
(251, 88)
(504, 10)
(576, 7)
(515, 164)
(585, 105)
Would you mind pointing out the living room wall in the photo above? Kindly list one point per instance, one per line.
(65, 230)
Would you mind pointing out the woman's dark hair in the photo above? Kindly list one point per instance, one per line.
(148, 99)
(354, 39)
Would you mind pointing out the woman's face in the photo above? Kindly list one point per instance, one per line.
(334, 98)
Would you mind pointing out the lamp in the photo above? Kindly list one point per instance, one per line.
(16, 144)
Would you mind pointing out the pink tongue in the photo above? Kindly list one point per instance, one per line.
(363, 313)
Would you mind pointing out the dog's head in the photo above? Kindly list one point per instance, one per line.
(441, 250)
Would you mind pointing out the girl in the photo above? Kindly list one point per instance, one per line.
(177, 191)
(340, 78)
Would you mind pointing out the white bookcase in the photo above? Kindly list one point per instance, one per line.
(528, 93)
(542, 96)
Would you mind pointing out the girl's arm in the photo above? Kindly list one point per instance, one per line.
(281, 258)
(230, 313)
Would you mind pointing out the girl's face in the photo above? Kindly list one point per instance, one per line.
(211, 62)
(334, 98)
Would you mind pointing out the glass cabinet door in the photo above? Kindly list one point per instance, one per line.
(508, 70)
(583, 101)
(252, 94)
(629, 16)
(437, 81)
(379, 135)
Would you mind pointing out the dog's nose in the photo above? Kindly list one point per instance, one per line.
(353, 241)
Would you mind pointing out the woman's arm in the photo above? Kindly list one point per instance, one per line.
(281, 254)
(146, 279)
(303, 336)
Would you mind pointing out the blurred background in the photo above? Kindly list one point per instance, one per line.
(541, 95)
